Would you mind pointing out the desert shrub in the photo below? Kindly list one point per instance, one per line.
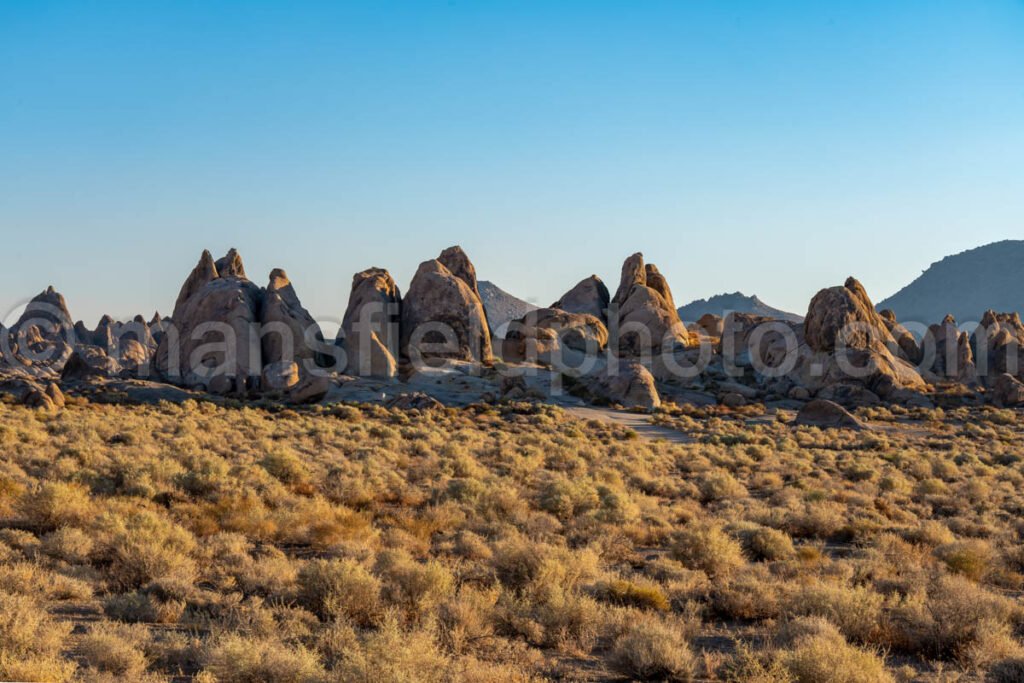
(944, 620)
(285, 466)
(652, 648)
(931, 533)
(30, 642)
(708, 548)
(855, 610)
(641, 594)
(340, 589)
(116, 649)
(415, 587)
(54, 504)
(971, 558)
(142, 546)
(764, 543)
(393, 655)
(817, 653)
(719, 485)
(69, 544)
(235, 658)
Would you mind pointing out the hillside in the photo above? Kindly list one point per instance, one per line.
(501, 307)
(965, 285)
(720, 304)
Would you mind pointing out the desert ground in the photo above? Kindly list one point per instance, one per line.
(216, 540)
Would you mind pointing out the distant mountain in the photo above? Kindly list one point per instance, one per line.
(964, 285)
(501, 307)
(720, 304)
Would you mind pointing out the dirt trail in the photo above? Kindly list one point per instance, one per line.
(638, 422)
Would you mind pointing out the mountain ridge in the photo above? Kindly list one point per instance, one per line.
(964, 285)
(720, 304)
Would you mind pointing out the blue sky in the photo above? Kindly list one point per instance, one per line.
(768, 147)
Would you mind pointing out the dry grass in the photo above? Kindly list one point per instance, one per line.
(512, 543)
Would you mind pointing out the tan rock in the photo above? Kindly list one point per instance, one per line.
(442, 318)
(827, 415)
(280, 376)
(545, 331)
(311, 389)
(370, 329)
(630, 385)
(589, 297)
(288, 332)
(1007, 391)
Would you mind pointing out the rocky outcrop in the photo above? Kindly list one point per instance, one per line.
(44, 332)
(647, 318)
(950, 352)
(90, 362)
(289, 333)
(501, 307)
(588, 297)
(216, 321)
(40, 395)
(845, 317)
(827, 415)
(459, 265)
(630, 385)
(443, 318)
(370, 329)
(1007, 391)
(547, 335)
(848, 343)
(909, 349)
(997, 345)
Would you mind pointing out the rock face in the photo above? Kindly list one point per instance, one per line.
(216, 318)
(289, 333)
(908, 346)
(589, 297)
(370, 329)
(501, 307)
(631, 385)
(456, 261)
(827, 415)
(45, 331)
(542, 333)
(848, 343)
(89, 362)
(1007, 391)
(844, 316)
(997, 347)
(951, 351)
(647, 318)
(749, 339)
(443, 317)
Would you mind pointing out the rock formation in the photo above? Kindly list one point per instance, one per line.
(216, 323)
(589, 297)
(289, 333)
(950, 351)
(542, 333)
(370, 329)
(909, 349)
(848, 343)
(997, 345)
(442, 315)
(630, 385)
(647, 318)
(827, 415)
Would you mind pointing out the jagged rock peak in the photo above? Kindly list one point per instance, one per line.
(633, 273)
(278, 280)
(230, 265)
(456, 261)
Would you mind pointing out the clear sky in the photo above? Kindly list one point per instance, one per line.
(768, 147)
